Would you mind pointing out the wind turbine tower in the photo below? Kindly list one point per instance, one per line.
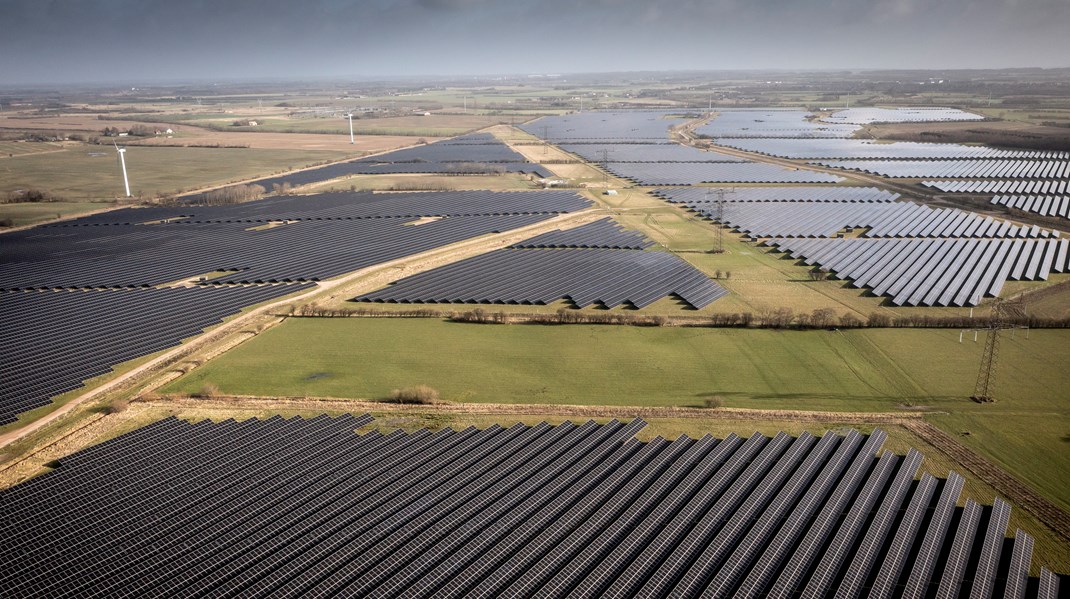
(122, 161)
(350, 115)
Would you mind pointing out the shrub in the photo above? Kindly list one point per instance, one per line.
(118, 405)
(208, 390)
(712, 402)
(419, 394)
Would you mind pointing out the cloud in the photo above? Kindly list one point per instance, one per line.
(110, 39)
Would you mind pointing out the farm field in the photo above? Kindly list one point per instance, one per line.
(10, 149)
(92, 172)
(28, 213)
(856, 370)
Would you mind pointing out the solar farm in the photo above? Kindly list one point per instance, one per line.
(561, 333)
(284, 507)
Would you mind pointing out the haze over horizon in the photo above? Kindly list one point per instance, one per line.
(55, 41)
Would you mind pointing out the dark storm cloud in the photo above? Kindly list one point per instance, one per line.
(78, 40)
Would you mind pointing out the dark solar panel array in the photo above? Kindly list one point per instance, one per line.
(333, 234)
(288, 507)
(347, 205)
(75, 336)
(604, 233)
(584, 276)
(468, 154)
(52, 341)
(933, 272)
(690, 195)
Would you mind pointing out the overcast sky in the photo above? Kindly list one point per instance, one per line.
(49, 41)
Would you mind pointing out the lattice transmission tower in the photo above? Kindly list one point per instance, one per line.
(1006, 314)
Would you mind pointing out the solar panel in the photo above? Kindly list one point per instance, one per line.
(288, 506)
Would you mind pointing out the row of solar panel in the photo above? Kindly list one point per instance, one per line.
(603, 233)
(584, 276)
(856, 149)
(995, 169)
(867, 115)
(1015, 187)
(287, 507)
(686, 195)
(1043, 205)
(772, 123)
(884, 219)
(664, 152)
(53, 341)
(350, 205)
(471, 154)
(933, 272)
(693, 173)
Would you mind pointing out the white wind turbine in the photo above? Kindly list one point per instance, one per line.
(350, 115)
(122, 160)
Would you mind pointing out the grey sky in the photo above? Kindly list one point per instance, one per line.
(47, 41)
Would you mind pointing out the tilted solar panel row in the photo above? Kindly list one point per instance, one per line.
(1037, 204)
(878, 219)
(347, 205)
(933, 272)
(1061, 187)
(604, 233)
(586, 277)
(994, 169)
(692, 195)
(648, 152)
(287, 507)
(53, 341)
(693, 173)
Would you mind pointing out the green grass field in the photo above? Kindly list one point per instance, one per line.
(93, 172)
(859, 370)
(28, 213)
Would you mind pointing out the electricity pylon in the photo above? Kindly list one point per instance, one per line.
(1005, 315)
